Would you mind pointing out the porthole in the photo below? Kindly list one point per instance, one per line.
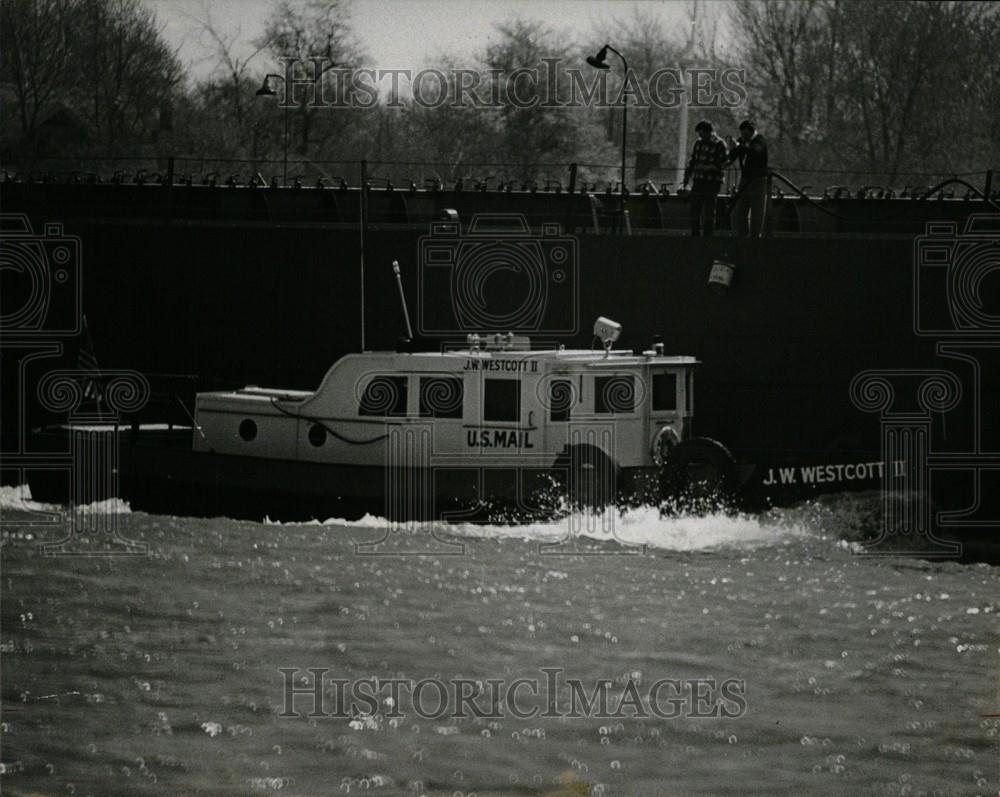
(317, 435)
(248, 430)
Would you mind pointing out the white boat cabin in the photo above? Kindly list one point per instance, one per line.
(492, 402)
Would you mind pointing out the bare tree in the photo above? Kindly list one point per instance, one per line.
(785, 45)
(914, 75)
(534, 127)
(229, 64)
(704, 35)
(874, 87)
(651, 42)
(454, 140)
(36, 54)
(105, 60)
(311, 41)
(648, 46)
(124, 71)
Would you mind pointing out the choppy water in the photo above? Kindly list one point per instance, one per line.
(159, 674)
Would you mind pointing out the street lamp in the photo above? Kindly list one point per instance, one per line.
(599, 61)
(265, 90)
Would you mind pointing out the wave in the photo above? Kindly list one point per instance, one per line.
(848, 518)
(18, 498)
(629, 527)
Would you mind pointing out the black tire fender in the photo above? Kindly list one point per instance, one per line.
(701, 465)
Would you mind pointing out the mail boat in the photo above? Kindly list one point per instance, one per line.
(490, 428)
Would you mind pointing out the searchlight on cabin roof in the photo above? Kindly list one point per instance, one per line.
(608, 331)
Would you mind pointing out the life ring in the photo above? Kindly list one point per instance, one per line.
(664, 441)
(588, 476)
(700, 467)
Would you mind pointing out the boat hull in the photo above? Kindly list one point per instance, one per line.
(158, 472)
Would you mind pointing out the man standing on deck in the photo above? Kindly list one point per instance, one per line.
(751, 198)
(708, 158)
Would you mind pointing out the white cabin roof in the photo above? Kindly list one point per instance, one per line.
(594, 357)
(347, 369)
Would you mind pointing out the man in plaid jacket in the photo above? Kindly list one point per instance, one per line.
(708, 158)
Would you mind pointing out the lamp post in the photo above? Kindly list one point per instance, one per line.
(265, 90)
(599, 61)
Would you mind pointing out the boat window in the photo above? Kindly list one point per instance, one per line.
(614, 394)
(441, 396)
(384, 395)
(502, 400)
(561, 399)
(664, 392)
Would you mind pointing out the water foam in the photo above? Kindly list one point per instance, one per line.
(109, 506)
(631, 527)
(18, 498)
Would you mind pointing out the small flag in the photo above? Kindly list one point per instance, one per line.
(86, 361)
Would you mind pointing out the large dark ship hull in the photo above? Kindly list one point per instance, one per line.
(272, 287)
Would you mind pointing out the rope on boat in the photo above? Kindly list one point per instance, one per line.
(343, 438)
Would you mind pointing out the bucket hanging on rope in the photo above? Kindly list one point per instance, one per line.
(721, 276)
